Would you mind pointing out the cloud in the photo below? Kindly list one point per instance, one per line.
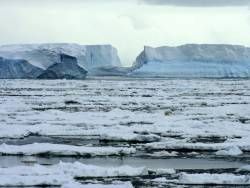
(199, 3)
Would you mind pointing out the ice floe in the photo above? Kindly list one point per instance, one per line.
(63, 150)
(63, 174)
(205, 119)
(114, 185)
(231, 151)
(221, 179)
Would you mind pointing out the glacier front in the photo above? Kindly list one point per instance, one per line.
(17, 69)
(67, 68)
(43, 56)
(193, 60)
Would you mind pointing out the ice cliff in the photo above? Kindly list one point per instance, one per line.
(44, 55)
(17, 69)
(193, 60)
(67, 68)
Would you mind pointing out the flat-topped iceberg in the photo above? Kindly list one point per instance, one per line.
(45, 55)
(194, 60)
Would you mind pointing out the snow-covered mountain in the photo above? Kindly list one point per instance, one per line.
(193, 60)
(45, 55)
(17, 69)
(67, 68)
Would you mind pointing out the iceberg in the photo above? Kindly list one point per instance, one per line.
(193, 60)
(45, 55)
(17, 69)
(67, 68)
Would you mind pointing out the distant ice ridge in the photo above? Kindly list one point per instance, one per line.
(45, 55)
(194, 60)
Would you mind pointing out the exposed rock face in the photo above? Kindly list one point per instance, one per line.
(194, 60)
(17, 69)
(67, 68)
(45, 55)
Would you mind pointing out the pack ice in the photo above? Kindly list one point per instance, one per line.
(193, 60)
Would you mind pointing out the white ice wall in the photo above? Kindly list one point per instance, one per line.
(44, 55)
(193, 60)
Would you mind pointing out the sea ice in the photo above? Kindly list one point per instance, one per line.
(63, 150)
(221, 179)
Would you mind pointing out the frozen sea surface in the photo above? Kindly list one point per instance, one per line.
(118, 132)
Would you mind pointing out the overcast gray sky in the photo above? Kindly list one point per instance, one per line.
(126, 24)
(200, 3)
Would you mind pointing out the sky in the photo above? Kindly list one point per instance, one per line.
(128, 25)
